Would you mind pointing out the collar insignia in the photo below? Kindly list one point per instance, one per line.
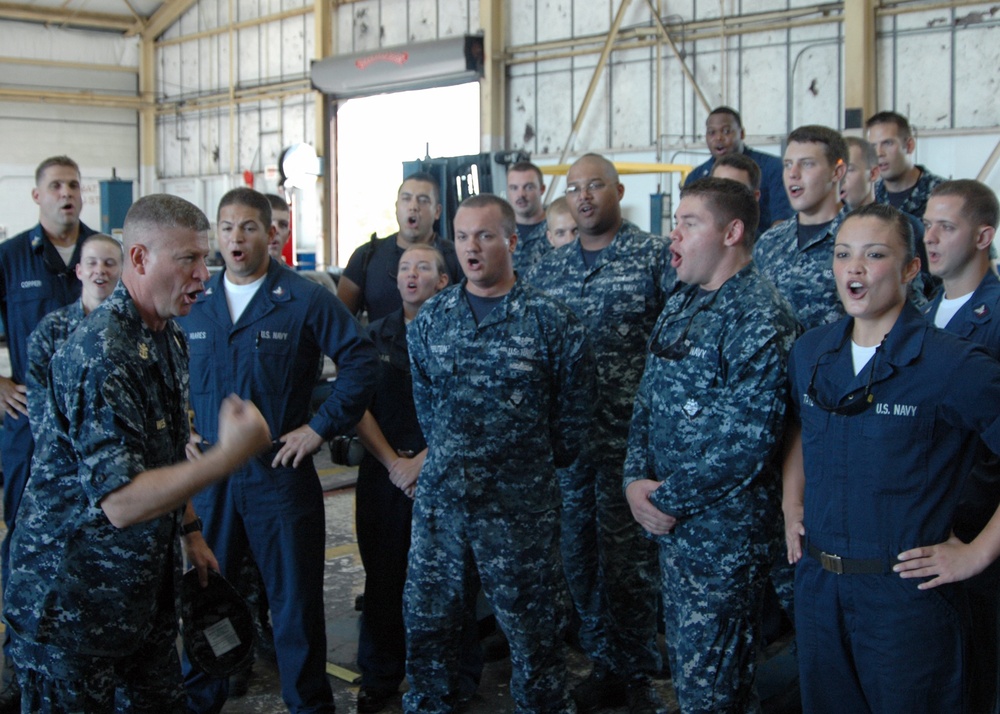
(981, 311)
(279, 291)
(691, 408)
(143, 351)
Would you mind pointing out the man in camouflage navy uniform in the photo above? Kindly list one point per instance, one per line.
(901, 183)
(525, 189)
(615, 278)
(503, 382)
(95, 561)
(797, 255)
(701, 475)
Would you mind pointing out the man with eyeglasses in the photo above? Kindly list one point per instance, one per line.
(369, 280)
(724, 135)
(615, 277)
(701, 475)
(525, 189)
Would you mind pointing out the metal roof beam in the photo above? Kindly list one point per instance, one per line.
(91, 20)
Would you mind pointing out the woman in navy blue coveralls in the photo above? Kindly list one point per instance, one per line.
(890, 409)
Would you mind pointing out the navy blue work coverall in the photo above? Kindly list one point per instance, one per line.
(978, 320)
(34, 281)
(269, 356)
(774, 205)
(876, 484)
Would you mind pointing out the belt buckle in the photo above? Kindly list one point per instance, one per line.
(833, 563)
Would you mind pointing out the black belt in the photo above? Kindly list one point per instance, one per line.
(848, 566)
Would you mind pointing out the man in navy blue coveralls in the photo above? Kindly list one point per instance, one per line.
(259, 331)
(724, 134)
(37, 276)
(961, 218)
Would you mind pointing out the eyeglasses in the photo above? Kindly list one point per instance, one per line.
(592, 187)
(856, 402)
(681, 347)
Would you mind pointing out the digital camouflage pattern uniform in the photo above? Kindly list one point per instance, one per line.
(916, 203)
(708, 424)
(51, 332)
(803, 276)
(34, 281)
(92, 606)
(502, 404)
(618, 301)
(532, 246)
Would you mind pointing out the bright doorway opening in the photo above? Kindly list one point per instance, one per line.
(377, 134)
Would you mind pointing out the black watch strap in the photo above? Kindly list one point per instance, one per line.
(193, 526)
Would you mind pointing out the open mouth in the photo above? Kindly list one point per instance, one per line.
(856, 289)
(795, 191)
(675, 259)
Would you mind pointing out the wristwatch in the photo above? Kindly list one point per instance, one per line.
(193, 526)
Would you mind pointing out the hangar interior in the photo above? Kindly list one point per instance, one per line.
(195, 96)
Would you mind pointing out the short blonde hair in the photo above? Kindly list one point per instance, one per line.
(560, 206)
(442, 266)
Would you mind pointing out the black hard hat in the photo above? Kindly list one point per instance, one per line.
(216, 625)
